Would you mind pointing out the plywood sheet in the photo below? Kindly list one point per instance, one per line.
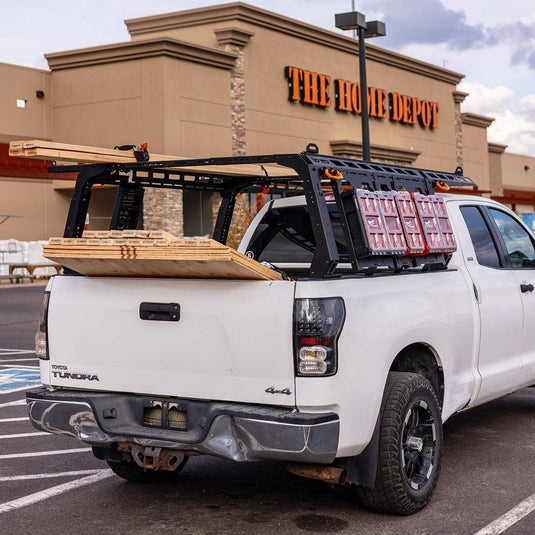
(150, 257)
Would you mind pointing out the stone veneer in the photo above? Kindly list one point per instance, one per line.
(233, 39)
(162, 209)
(458, 98)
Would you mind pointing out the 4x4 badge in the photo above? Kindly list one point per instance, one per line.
(273, 390)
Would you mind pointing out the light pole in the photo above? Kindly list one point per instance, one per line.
(357, 21)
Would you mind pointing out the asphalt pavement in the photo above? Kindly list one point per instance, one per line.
(53, 484)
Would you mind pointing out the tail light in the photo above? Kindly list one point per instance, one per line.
(41, 337)
(317, 327)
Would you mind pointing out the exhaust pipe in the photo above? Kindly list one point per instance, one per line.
(329, 474)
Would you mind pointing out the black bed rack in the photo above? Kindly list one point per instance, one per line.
(309, 173)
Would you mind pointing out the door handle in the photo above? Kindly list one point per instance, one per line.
(159, 311)
(526, 288)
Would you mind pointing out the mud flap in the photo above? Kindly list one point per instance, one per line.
(362, 469)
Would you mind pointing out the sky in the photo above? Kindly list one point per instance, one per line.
(491, 42)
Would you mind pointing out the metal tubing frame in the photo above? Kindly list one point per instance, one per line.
(310, 180)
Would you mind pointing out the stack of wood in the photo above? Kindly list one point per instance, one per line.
(63, 152)
(143, 253)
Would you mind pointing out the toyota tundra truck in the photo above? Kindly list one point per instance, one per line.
(397, 307)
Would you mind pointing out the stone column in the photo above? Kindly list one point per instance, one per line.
(162, 209)
(234, 39)
(458, 98)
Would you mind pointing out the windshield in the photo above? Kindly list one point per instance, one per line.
(284, 235)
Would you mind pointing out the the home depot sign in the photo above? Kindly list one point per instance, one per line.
(315, 89)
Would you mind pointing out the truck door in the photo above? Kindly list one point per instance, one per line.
(519, 253)
(500, 307)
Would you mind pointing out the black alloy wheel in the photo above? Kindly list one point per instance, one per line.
(418, 444)
(410, 446)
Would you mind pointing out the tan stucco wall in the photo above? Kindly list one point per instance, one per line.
(181, 105)
(108, 105)
(178, 107)
(495, 173)
(200, 35)
(35, 119)
(276, 124)
(197, 109)
(514, 174)
(44, 209)
(475, 155)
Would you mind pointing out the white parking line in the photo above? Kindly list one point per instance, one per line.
(510, 518)
(5, 420)
(24, 435)
(21, 366)
(46, 476)
(12, 403)
(42, 453)
(54, 491)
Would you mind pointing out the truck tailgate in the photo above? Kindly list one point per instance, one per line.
(233, 341)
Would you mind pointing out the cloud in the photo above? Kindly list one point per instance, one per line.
(526, 106)
(430, 22)
(514, 123)
(521, 37)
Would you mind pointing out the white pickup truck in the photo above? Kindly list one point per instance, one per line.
(346, 369)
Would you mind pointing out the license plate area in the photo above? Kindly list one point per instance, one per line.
(164, 415)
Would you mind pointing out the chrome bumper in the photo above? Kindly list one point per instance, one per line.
(234, 431)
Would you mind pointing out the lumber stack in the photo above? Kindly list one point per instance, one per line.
(67, 153)
(64, 152)
(141, 253)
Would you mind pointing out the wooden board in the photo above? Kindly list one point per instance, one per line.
(48, 150)
(188, 269)
(147, 257)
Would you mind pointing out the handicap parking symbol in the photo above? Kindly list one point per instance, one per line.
(15, 379)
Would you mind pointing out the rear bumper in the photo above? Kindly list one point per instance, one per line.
(234, 431)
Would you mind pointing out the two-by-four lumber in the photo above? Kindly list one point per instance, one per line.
(48, 150)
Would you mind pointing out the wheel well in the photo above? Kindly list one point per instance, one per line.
(418, 358)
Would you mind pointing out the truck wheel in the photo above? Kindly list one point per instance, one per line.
(410, 447)
(132, 472)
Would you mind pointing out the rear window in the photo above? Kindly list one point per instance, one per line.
(285, 235)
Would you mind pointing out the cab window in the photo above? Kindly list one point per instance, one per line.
(518, 241)
(484, 246)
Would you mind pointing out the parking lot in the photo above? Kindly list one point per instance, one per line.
(53, 484)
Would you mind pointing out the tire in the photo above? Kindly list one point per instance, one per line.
(132, 472)
(410, 447)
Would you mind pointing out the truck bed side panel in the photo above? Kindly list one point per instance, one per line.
(383, 316)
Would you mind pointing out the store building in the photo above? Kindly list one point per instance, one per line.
(235, 79)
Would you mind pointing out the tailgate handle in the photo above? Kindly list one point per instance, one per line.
(159, 311)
